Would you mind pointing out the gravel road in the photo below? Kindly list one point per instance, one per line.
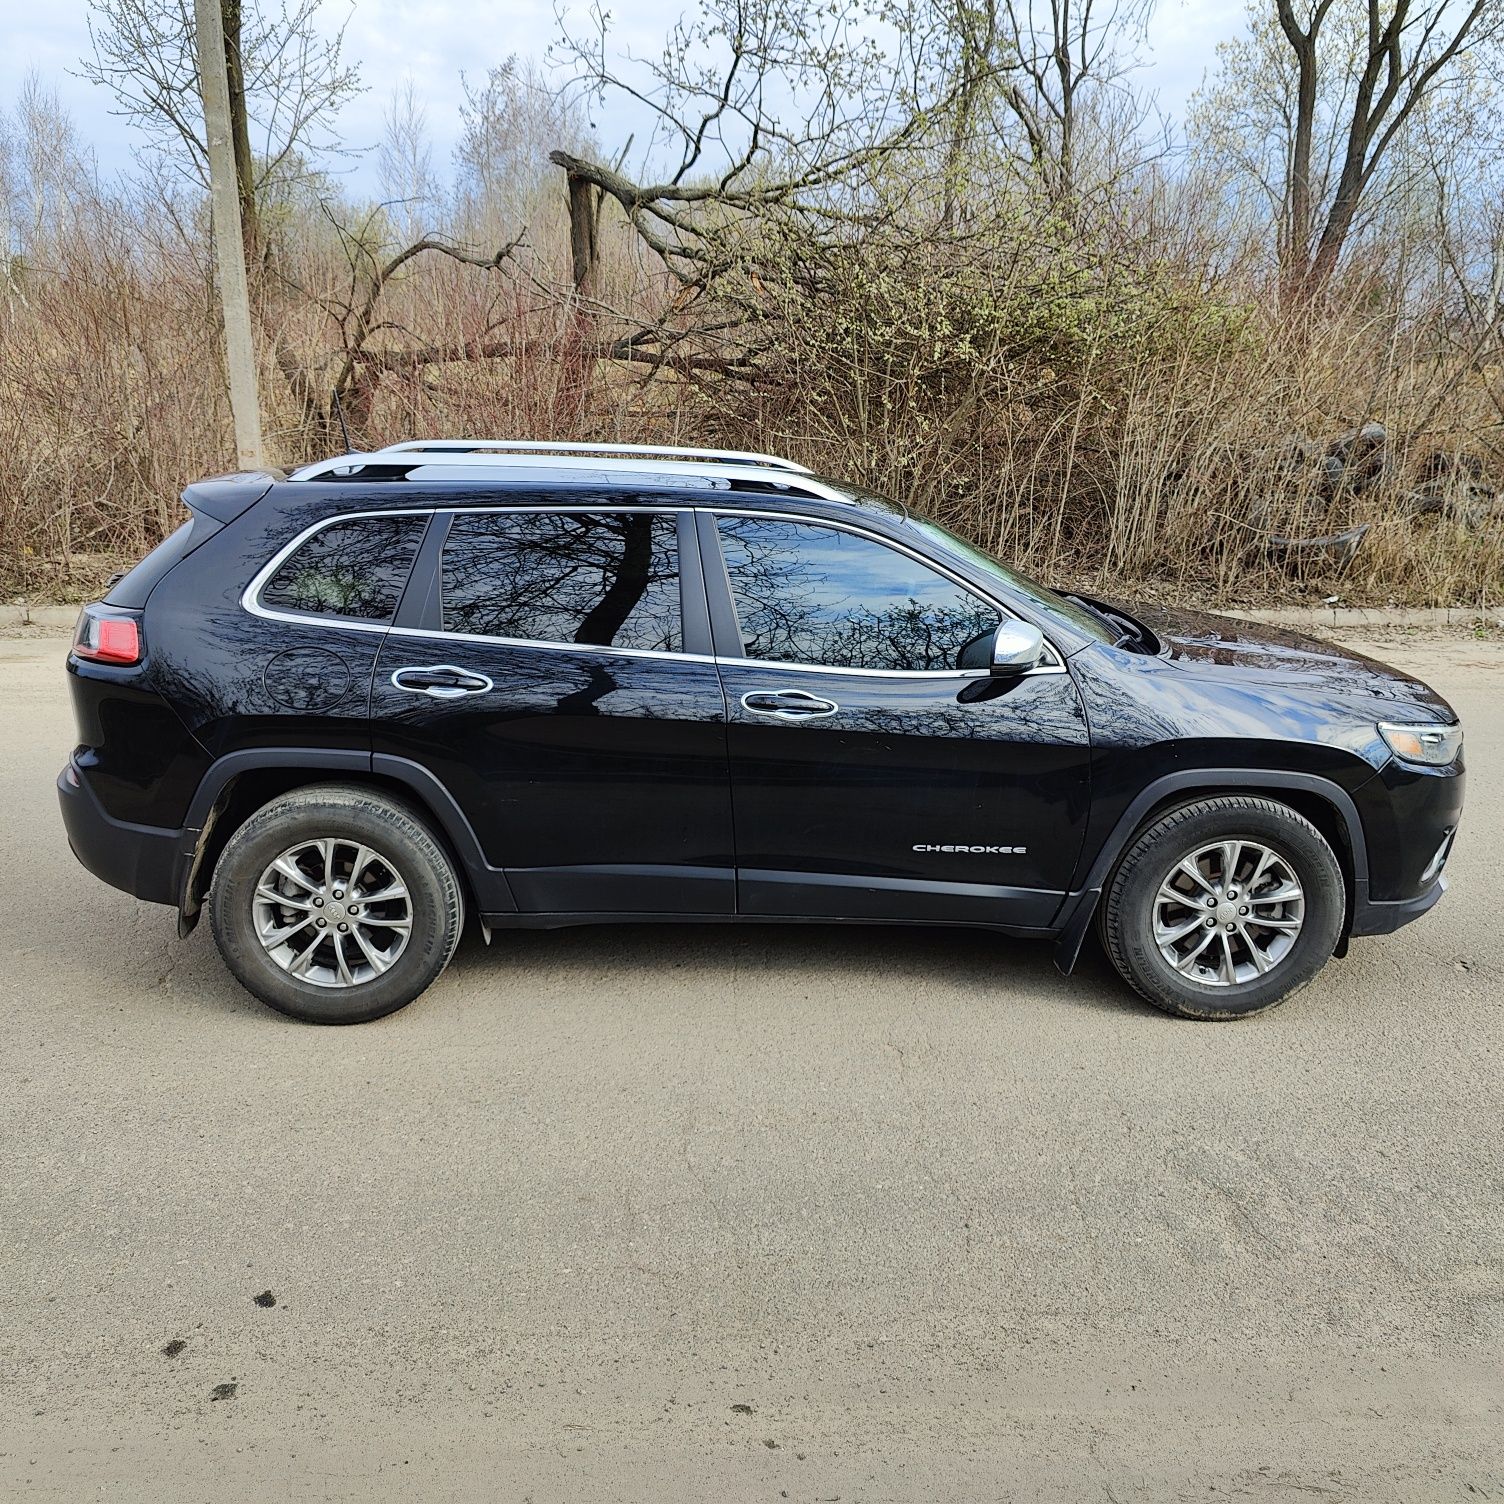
(718, 1214)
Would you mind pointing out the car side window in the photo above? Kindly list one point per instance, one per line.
(609, 579)
(355, 569)
(819, 595)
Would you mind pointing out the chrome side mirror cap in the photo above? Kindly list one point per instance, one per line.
(1017, 647)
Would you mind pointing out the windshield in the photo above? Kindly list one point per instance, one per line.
(1010, 581)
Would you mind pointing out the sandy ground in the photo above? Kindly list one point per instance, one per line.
(720, 1214)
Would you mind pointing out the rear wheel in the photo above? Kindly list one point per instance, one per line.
(335, 905)
(1224, 908)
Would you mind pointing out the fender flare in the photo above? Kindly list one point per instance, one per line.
(1080, 905)
(492, 892)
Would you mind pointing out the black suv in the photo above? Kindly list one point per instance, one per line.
(552, 684)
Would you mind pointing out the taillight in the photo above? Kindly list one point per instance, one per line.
(113, 638)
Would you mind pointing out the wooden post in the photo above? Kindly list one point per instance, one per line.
(583, 200)
(229, 245)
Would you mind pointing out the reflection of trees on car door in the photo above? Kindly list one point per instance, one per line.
(608, 579)
(811, 594)
(574, 619)
(869, 778)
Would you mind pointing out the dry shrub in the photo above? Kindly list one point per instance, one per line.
(108, 398)
(1096, 418)
(1120, 430)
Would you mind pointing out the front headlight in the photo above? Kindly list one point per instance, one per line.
(1435, 746)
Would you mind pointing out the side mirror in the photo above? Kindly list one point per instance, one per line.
(1017, 646)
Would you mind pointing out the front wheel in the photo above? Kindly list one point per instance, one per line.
(1224, 908)
(335, 905)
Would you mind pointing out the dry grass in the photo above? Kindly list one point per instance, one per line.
(1133, 434)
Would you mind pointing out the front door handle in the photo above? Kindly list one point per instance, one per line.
(441, 681)
(788, 704)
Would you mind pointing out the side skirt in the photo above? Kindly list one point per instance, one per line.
(570, 921)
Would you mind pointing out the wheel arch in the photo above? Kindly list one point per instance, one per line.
(1326, 804)
(240, 783)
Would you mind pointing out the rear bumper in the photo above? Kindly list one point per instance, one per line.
(142, 860)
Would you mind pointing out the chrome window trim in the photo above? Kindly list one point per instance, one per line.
(769, 664)
(554, 647)
(1055, 666)
(250, 597)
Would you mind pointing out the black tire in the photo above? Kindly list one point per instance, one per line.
(433, 899)
(1127, 915)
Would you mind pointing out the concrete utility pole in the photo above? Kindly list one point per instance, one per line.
(229, 247)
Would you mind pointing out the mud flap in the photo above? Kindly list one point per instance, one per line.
(1072, 934)
(191, 856)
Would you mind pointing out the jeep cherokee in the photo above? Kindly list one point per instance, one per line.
(556, 684)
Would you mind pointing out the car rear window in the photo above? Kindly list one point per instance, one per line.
(607, 579)
(355, 569)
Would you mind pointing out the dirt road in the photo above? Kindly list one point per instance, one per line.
(722, 1214)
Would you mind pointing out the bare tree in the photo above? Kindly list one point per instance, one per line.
(1451, 228)
(1037, 83)
(1063, 53)
(42, 166)
(509, 123)
(1318, 99)
(287, 82)
(351, 374)
(763, 110)
(404, 161)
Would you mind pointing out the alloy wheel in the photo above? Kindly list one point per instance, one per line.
(1228, 912)
(333, 913)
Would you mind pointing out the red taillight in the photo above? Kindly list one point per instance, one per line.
(107, 639)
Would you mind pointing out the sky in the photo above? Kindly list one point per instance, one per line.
(435, 41)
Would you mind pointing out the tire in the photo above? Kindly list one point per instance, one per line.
(392, 947)
(1292, 937)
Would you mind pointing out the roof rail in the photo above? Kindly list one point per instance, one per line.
(531, 446)
(462, 464)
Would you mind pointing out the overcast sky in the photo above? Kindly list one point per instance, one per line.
(435, 40)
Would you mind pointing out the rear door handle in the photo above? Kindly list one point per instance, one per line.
(788, 704)
(441, 681)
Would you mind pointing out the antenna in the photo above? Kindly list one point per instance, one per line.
(339, 413)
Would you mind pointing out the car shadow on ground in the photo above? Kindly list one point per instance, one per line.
(639, 962)
(783, 959)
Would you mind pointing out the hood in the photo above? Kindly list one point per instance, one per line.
(1223, 646)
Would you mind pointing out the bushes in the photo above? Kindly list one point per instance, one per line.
(1118, 428)
(108, 400)
(1094, 416)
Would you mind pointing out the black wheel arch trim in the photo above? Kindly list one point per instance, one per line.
(494, 896)
(489, 884)
(1073, 921)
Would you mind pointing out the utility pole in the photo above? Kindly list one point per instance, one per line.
(229, 247)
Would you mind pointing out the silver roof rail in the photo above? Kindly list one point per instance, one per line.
(453, 464)
(654, 451)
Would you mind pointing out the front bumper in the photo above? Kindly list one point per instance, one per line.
(143, 860)
(1378, 918)
(1410, 819)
